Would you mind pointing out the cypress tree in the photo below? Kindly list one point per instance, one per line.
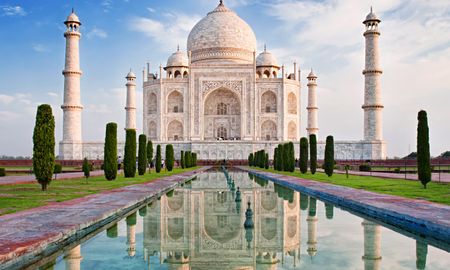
(129, 160)
(158, 159)
(186, 159)
(194, 157)
(303, 155)
(266, 165)
(329, 156)
(142, 154)
(150, 152)
(280, 158)
(250, 159)
(423, 149)
(275, 155)
(313, 153)
(291, 156)
(182, 160)
(86, 168)
(169, 157)
(44, 145)
(110, 152)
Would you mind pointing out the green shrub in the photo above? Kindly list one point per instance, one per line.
(158, 159)
(313, 153)
(329, 156)
(250, 160)
(86, 168)
(397, 170)
(142, 155)
(150, 152)
(423, 149)
(303, 155)
(110, 152)
(291, 157)
(2, 172)
(275, 153)
(266, 165)
(182, 160)
(57, 168)
(186, 159)
(365, 167)
(170, 159)
(280, 157)
(194, 158)
(129, 160)
(44, 145)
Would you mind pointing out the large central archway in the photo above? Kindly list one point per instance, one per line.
(222, 115)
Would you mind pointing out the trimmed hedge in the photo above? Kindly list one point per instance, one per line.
(129, 161)
(44, 145)
(423, 149)
(110, 152)
(303, 155)
(364, 167)
(158, 159)
(170, 159)
(313, 153)
(142, 155)
(329, 156)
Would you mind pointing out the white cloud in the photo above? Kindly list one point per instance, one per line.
(40, 48)
(97, 32)
(107, 5)
(169, 32)
(6, 99)
(7, 10)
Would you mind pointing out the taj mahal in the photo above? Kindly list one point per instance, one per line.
(222, 99)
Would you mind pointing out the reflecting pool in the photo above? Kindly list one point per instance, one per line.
(201, 226)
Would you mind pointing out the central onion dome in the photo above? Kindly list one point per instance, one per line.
(222, 35)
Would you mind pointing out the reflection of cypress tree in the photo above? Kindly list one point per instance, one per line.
(249, 237)
(421, 254)
(250, 176)
(261, 181)
(131, 219)
(112, 232)
(312, 207)
(143, 211)
(303, 201)
(329, 210)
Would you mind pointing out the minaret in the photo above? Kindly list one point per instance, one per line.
(73, 258)
(372, 245)
(130, 122)
(312, 228)
(131, 235)
(71, 145)
(313, 126)
(373, 121)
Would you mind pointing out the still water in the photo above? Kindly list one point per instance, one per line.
(201, 226)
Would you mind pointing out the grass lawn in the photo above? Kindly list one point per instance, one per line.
(19, 197)
(435, 192)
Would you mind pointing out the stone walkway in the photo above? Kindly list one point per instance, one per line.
(444, 177)
(417, 216)
(28, 233)
(24, 179)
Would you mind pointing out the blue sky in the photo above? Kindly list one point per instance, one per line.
(325, 35)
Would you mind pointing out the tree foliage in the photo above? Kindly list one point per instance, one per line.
(86, 168)
(170, 159)
(182, 160)
(313, 153)
(250, 159)
(303, 155)
(149, 151)
(142, 154)
(329, 156)
(129, 160)
(423, 149)
(158, 159)
(110, 152)
(44, 145)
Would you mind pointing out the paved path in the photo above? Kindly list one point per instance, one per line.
(418, 216)
(24, 179)
(28, 233)
(444, 177)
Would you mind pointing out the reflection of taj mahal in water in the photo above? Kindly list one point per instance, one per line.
(223, 100)
(201, 226)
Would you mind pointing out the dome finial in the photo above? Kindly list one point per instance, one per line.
(265, 47)
(221, 2)
(178, 47)
(73, 11)
(371, 10)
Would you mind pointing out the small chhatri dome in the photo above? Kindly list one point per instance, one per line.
(266, 59)
(222, 34)
(178, 59)
(130, 75)
(311, 74)
(73, 18)
(371, 17)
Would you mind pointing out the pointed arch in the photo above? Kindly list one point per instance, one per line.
(152, 106)
(292, 103)
(175, 131)
(152, 130)
(292, 131)
(269, 130)
(269, 102)
(175, 102)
